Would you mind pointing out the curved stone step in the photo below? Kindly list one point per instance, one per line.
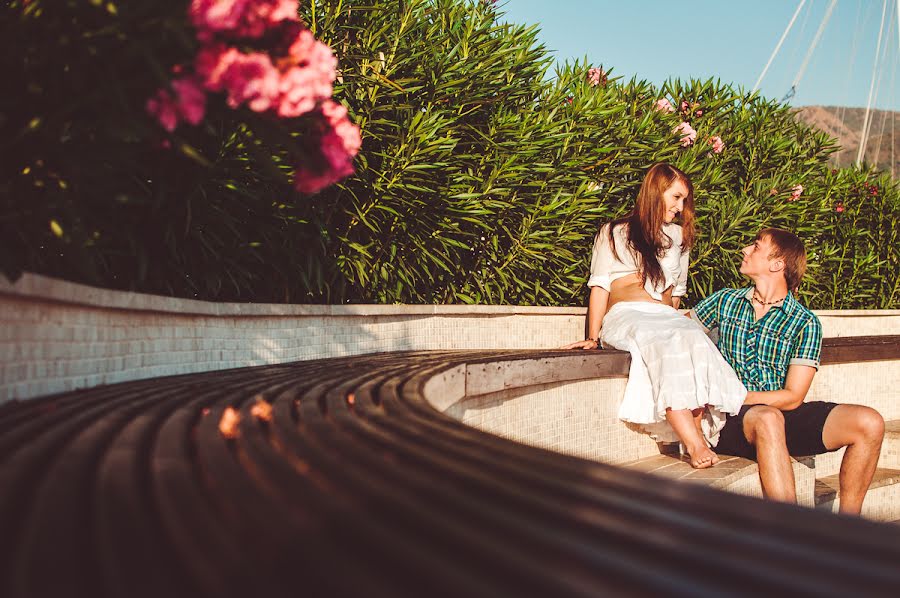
(882, 500)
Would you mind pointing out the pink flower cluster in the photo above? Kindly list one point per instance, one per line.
(340, 142)
(718, 146)
(294, 87)
(240, 18)
(796, 192)
(687, 132)
(664, 105)
(188, 104)
(596, 76)
(291, 77)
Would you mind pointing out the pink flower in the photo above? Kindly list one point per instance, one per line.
(211, 63)
(664, 105)
(163, 107)
(796, 191)
(339, 144)
(191, 99)
(247, 78)
(718, 146)
(290, 88)
(685, 107)
(839, 207)
(309, 81)
(699, 113)
(596, 76)
(689, 135)
(254, 80)
(188, 104)
(336, 116)
(240, 18)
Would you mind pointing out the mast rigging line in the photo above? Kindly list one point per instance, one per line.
(865, 131)
(778, 46)
(815, 42)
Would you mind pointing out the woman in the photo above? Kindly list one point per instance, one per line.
(638, 276)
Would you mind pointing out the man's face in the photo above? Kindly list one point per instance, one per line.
(756, 257)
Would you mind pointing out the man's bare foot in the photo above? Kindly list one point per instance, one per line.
(702, 457)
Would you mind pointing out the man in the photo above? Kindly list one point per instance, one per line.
(774, 343)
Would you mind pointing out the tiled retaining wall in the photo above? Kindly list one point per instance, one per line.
(575, 418)
(57, 336)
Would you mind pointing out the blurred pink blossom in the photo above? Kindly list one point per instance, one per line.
(685, 107)
(664, 105)
(718, 146)
(303, 80)
(240, 18)
(339, 145)
(689, 135)
(247, 78)
(163, 107)
(839, 207)
(188, 104)
(309, 80)
(796, 191)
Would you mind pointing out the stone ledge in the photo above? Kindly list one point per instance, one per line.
(725, 475)
(44, 288)
(828, 487)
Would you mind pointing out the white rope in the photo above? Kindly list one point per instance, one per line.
(884, 113)
(894, 115)
(865, 131)
(815, 42)
(778, 46)
(842, 132)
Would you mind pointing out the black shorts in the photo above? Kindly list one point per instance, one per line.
(802, 428)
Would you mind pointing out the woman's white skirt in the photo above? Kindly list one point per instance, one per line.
(673, 365)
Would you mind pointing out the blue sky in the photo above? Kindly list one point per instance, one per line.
(728, 39)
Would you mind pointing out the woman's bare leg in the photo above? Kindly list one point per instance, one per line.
(686, 424)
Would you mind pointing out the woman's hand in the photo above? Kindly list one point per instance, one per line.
(585, 344)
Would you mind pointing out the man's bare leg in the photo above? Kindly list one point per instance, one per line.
(764, 429)
(861, 430)
(683, 422)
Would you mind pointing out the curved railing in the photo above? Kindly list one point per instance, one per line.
(342, 476)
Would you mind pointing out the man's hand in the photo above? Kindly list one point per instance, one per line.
(796, 385)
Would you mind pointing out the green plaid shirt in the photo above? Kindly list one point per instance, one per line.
(761, 351)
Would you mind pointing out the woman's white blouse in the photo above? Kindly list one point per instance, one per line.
(605, 268)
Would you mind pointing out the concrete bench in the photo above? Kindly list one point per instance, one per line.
(345, 476)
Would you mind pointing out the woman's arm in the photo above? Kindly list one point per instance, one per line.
(596, 310)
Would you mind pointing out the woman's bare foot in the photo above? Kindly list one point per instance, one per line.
(684, 422)
(701, 456)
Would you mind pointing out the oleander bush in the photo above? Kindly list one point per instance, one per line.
(481, 178)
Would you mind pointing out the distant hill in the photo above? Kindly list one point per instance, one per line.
(845, 124)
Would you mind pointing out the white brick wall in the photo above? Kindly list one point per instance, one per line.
(57, 336)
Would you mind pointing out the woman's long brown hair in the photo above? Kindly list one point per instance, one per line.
(645, 222)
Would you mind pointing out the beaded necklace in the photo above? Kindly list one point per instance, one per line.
(759, 300)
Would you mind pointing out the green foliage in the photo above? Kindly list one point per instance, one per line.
(480, 179)
(472, 188)
(91, 193)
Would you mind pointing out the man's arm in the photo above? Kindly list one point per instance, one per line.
(796, 385)
(706, 313)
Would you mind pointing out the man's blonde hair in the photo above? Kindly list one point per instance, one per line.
(790, 249)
